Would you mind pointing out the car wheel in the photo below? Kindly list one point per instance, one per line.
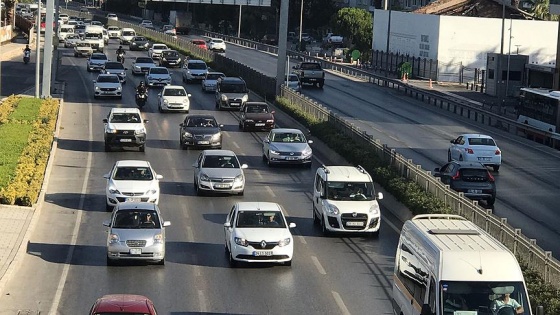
(288, 263)
(142, 148)
(107, 148)
(88, 69)
(268, 162)
(449, 156)
(496, 168)
(161, 262)
(108, 207)
(160, 109)
(491, 201)
(232, 262)
(324, 227)
(110, 262)
(264, 157)
(241, 193)
(321, 85)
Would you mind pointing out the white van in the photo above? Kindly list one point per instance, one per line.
(446, 265)
(94, 35)
(64, 30)
(126, 35)
(344, 200)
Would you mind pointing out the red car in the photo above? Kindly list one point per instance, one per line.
(200, 43)
(123, 304)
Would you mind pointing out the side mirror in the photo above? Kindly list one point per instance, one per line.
(94, 81)
(107, 223)
(310, 141)
(221, 126)
(379, 195)
(452, 141)
(195, 164)
(292, 225)
(158, 176)
(244, 166)
(181, 125)
(105, 120)
(189, 95)
(107, 175)
(166, 223)
(266, 140)
(227, 225)
(146, 120)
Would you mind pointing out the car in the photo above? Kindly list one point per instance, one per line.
(200, 130)
(96, 23)
(131, 181)
(475, 148)
(96, 62)
(169, 29)
(141, 65)
(216, 44)
(310, 73)
(155, 51)
(270, 39)
(125, 127)
(146, 23)
(139, 43)
(200, 43)
(257, 232)
(136, 231)
(127, 34)
(287, 146)
(82, 49)
(62, 16)
(219, 171)
(256, 116)
(114, 31)
(170, 58)
(71, 40)
(113, 67)
(194, 70)
(292, 82)
(84, 10)
(123, 303)
(157, 76)
(112, 16)
(210, 82)
(231, 92)
(173, 98)
(471, 178)
(80, 29)
(107, 85)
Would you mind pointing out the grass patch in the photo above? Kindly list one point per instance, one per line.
(13, 137)
(27, 110)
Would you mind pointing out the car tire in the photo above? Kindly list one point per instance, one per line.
(241, 193)
(110, 262)
(449, 156)
(264, 158)
(315, 217)
(88, 69)
(268, 162)
(324, 227)
(496, 168)
(491, 201)
(184, 81)
(107, 148)
(232, 262)
(159, 108)
(373, 234)
(288, 263)
(142, 148)
(108, 207)
(321, 84)
(161, 262)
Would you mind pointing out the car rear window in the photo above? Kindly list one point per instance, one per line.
(310, 66)
(98, 57)
(474, 174)
(482, 141)
(128, 33)
(214, 76)
(114, 65)
(197, 65)
(233, 88)
(108, 79)
(160, 47)
(174, 92)
(171, 53)
(216, 161)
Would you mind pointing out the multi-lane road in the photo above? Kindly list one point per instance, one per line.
(64, 269)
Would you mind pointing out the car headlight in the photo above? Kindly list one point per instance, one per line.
(96, 88)
(119, 88)
(307, 151)
(188, 71)
(164, 59)
(238, 178)
(374, 210)
(151, 191)
(165, 102)
(187, 135)
(122, 73)
(245, 98)
(113, 238)
(224, 97)
(241, 241)
(114, 191)
(158, 239)
(332, 209)
(284, 242)
(274, 152)
(136, 67)
(140, 131)
(178, 59)
(111, 130)
(204, 177)
(217, 136)
(270, 120)
(146, 45)
(133, 44)
(186, 101)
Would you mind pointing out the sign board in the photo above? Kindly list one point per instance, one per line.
(554, 7)
(256, 3)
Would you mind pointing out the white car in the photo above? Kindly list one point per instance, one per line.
(71, 40)
(96, 62)
(146, 23)
(475, 148)
(158, 76)
(292, 82)
(155, 51)
(258, 232)
(216, 44)
(114, 67)
(287, 146)
(142, 65)
(219, 171)
(114, 32)
(210, 82)
(194, 70)
(174, 98)
(107, 85)
(126, 35)
(112, 16)
(62, 16)
(124, 127)
(131, 181)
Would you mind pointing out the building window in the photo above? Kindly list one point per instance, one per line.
(490, 74)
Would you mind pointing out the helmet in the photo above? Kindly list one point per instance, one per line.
(141, 83)
(120, 47)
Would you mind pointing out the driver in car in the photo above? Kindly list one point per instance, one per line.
(501, 305)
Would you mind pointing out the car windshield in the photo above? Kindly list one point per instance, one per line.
(293, 78)
(108, 79)
(159, 47)
(125, 118)
(217, 41)
(159, 71)
(288, 137)
(256, 109)
(144, 60)
(99, 57)
(133, 173)
(83, 44)
(197, 65)
(136, 219)
(260, 219)
(348, 191)
(140, 39)
(310, 66)
(128, 33)
(482, 141)
(201, 122)
(214, 76)
(233, 88)
(217, 161)
(170, 54)
(114, 66)
(174, 92)
(72, 36)
(113, 28)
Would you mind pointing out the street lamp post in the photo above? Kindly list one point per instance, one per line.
(387, 68)
(239, 22)
(300, 24)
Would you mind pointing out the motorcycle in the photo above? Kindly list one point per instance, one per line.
(26, 56)
(141, 99)
(120, 57)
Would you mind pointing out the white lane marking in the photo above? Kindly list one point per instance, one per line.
(202, 301)
(259, 175)
(236, 145)
(226, 134)
(302, 239)
(77, 223)
(190, 234)
(340, 303)
(186, 212)
(270, 191)
(391, 225)
(318, 265)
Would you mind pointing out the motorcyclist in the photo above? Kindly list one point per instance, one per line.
(27, 50)
(141, 88)
(120, 52)
(26, 54)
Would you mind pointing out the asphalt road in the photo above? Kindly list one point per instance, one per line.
(16, 76)
(64, 270)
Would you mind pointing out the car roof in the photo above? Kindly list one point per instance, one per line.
(124, 109)
(168, 87)
(128, 29)
(159, 68)
(99, 54)
(159, 44)
(137, 206)
(116, 303)
(465, 164)
(256, 103)
(132, 163)
(339, 173)
(476, 135)
(258, 206)
(219, 152)
(293, 130)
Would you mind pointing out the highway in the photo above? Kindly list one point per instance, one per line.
(64, 269)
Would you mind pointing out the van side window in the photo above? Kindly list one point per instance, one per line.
(412, 273)
(318, 183)
(432, 295)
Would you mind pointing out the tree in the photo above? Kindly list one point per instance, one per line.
(355, 24)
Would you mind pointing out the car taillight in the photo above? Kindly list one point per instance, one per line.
(490, 177)
(497, 152)
(469, 151)
(456, 176)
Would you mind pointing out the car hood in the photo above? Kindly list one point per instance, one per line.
(159, 76)
(107, 85)
(136, 234)
(202, 130)
(261, 116)
(222, 172)
(354, 206)
(144, 65)
(288, 147)
(134, 185)
(175, 99)
(260, 234)
(233, 95)
(97, 61)
(126, 126)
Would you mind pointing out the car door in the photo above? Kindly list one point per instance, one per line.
(317, 189)
(197, 167)
(230, 219)
(447, 171)
(457, 147)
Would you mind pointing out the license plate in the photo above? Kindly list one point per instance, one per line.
(291, 158)
(259, 125)
(221, 185)
(234, 104)
(126, 140)
(475, 191)
(262, 253)
(136, 251)
(355, 223)
(484, 159)
(203, 142)
(312, 80)
(133, 199)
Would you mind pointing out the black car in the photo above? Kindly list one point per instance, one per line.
(139, 43)
(113, 67)
(270, 39)
(170, 58)
(471, 178)
(200, 131)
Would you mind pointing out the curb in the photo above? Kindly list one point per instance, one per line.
(16, 262)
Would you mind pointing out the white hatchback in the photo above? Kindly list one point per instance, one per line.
(158, 76)
(216, 44)
(475, 148)
(258, 232)
(174, 98)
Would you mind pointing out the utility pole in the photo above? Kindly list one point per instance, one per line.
(38, 52)
(300, 25)
(282, 44)
(239, 22)
(48, 49)
(387, 67)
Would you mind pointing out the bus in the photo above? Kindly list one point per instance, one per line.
(539, 108)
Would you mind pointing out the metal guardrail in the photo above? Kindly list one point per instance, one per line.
(519, 244)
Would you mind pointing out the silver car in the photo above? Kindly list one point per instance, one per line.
(136, 232)
(287, 146)
(210, 82)
(219, 171)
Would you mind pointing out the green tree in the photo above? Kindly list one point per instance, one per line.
(541, 11)
(355, 24)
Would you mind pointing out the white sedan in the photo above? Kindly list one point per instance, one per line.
(156, 50)
(475, 148)
(131, 181)
(258, 232)
(173, 98)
